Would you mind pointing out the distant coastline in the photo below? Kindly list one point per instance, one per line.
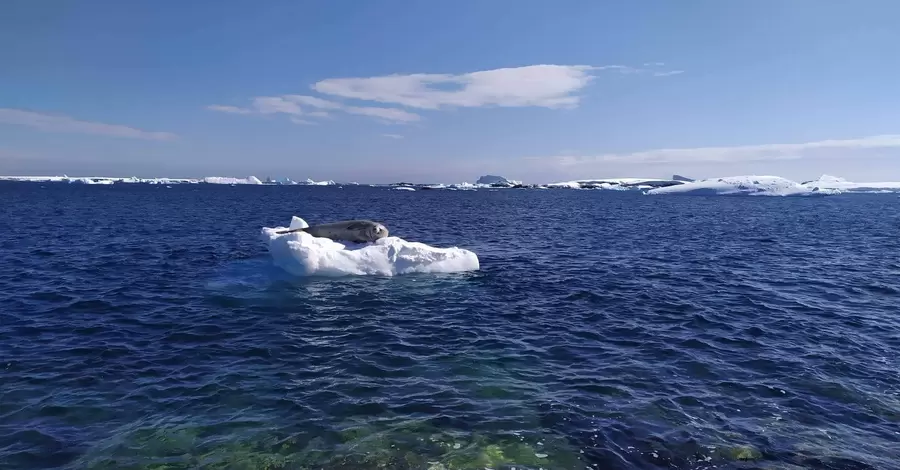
(730, 185)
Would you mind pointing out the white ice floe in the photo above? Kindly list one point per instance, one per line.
(841, 184)
(751, 185)
(302, 254)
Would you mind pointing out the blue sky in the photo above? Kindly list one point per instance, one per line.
(382, 91)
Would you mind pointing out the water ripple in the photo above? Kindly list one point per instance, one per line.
(146, 328)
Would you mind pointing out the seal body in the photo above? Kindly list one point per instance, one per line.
(356, 231)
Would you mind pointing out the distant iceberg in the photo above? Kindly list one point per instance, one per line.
(617, 184)
(229, 180)
(841, 184)
(750, 185)
(497, 181)
(302, 254)
(310, 182)
(89, 181)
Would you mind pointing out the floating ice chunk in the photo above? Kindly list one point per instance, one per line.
(302, 254)
(751, 185)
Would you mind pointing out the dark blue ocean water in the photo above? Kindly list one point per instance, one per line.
(145, 327)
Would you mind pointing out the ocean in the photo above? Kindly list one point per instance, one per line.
(145, 327)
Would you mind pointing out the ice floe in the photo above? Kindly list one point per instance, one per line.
(302, 254)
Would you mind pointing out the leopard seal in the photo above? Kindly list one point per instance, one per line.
(356, 231)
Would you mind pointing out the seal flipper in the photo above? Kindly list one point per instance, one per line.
(291, 230)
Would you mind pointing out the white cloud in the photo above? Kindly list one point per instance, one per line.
(393, 136)
(291, 105)
(545, 85)
(387, 114)
(275, 104)
(819, 149)
(229, 109)
(550, 86)
(59, 123)
(313, 101)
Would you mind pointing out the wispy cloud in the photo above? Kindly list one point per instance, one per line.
(295, 105)
(229, 109)
(302, 122)
(848, 148)
(549, 86)
(393, 136)
(546, 86)
(313, 101)
(60, 123)
(386, 114)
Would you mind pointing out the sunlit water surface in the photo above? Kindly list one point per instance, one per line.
(145, 327)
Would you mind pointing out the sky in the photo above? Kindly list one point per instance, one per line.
(384, 91)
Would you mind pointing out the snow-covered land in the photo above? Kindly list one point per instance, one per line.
(302, 254)
(751, 185)
(841, 184)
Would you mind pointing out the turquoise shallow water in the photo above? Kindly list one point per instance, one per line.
(145, 327)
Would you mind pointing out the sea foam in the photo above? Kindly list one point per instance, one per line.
(302, 254)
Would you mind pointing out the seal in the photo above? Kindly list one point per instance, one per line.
(357, 231)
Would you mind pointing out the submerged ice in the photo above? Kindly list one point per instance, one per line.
(302, 254)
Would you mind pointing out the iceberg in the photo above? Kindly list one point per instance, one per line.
(840, 184)
(615, 183)
(89, 181)
(497, 182)
(302, 254)
(310, 182)
(751, 185)
(229, 180)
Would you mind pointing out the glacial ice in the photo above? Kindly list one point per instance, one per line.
(230, 180)
(752, 185)
(302, 254)
(841, 184)
(616, 184)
